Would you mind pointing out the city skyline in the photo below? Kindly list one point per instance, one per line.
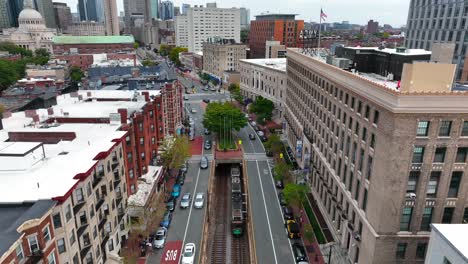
(337, 11)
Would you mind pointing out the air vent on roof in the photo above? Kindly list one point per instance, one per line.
(63, 153)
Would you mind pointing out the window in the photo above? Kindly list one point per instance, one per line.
(364, 200)
(19, 252)
(426, 219)
(464, 132)
(423, 129)
(369, 167)
(33, 245)
(418, 154)
(461, 155)
(413, 181)
(406, 218)
(376, 117)
(130, 173)
(132, 188)
(433, 184)
(72, 237)
(110, 244)
(439, 156)
(444, 130)
(79, 195)
(57, 220)
(446, 261)
(454, 184)
(372, 142)
(75, 259)
(46, 234)
(367, 113)
(68, 215)
(61, 245)
(358, 186)
(401, 250)
(448, 214)
(421, 250)
(51, 258)
(142, 141)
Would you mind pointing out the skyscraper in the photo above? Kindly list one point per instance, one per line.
(167, 10)
(439, 22)
(87, 10)
(46, 9)
(184, 9)
(154, 7)
(15, 7)
(135, 8)
(112, 19)
(62, 14)
(372, 26)
(5, 20)
(244, 18)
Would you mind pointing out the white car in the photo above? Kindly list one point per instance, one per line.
(199, 200)
(260, 133)
(189, 253)
(194, 110)
(160, 238)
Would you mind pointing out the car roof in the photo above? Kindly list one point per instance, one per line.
(198, 195)
(186, 195)
(190, 247)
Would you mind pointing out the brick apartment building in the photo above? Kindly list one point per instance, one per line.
(101, 142)
(79, 50)
(280, 27)
(386, 158)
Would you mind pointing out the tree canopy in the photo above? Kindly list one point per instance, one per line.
(174, 55)
(235, 92)
(8, 74)
(295, 194)
(175, 151)
(76, 73)
(263, 108)
(15, 49)
(221, 117)
(149, 63)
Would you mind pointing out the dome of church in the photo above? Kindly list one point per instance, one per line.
(29, 14)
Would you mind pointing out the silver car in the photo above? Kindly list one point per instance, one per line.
(204, 162)
(199, 200)
(160, 238)
(185, 201)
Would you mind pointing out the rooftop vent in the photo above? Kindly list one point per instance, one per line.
(63, 153)
(401, 50)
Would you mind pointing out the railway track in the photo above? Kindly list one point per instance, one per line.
(240, 250)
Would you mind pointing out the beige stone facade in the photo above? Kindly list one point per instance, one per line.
(266, 78)
(384, 164)
(86, 28)
(218, 57)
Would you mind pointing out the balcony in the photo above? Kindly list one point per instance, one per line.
(118, 196)
(35, 256)
(102, 222)
(96, 180)
(81, 229)
(104, 238)
(120, 214)
(114, 164)
(77, 207)
(85, 249)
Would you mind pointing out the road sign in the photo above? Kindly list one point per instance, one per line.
(172, 252)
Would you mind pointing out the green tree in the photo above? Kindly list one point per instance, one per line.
(295, 194)
(308, 232)
(174, 55)
(263, 108)
(148, 63)
(274, 144)
(164, 50)
(222, 118)
(233, 87)
(42, 53)
(244, 35)
(15, 49)
(8, 74)
(175, 151)
(76, 74)
(136, 45)
(281, 170)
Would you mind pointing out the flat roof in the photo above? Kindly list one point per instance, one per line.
(53, 175)
(17, 148)
(408, 52)
(275, 64)
(93, 39)
(455, 236)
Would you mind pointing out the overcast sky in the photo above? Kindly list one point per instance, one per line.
(393, 12)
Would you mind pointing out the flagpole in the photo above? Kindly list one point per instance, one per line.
(320, 29)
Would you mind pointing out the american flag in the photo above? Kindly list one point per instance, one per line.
(322, 15)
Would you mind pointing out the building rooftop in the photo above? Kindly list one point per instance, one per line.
(13, 216)
(407, 52)
(275, 64)
(93, 39)
(455, 236)
(274, 16)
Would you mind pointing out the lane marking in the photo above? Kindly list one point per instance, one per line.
(256, 135)
(266, 211)
(279, 205)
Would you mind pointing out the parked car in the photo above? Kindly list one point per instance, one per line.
(176, 190)
(268, 153)
(193, 111)
(206, 101)
(253, 123)
(160, 238)
(204, 162)
(288, 213)
(260, 133)
(185, 201)
(256, 128)
(170, 205)
(263, 138)
(292, 228)
(251, 136)
(206, 131)
(281, 199)
(207, 144)
(299, 253)
(213, 89)
(205, 88)
(199, 200)
(189, 253)
(181, 178)
(166, 220)
(279, 184)
(184, 167)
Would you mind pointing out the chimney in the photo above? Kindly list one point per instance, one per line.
(123, 115)
(146, 94)
(50, 111)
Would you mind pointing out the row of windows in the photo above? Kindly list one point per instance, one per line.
(421, 249)
(445, 128)
(439, 154)
(433, 183)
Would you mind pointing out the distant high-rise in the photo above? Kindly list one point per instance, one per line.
(5, 19)
(167, 10)
(440, 22)
(154, 7)
(281, 27)
(185, 7)
(216, 22)
(244, 18)
(46, 8)
(372, 27)
(112, 19)
(176, 11)
(62, 14)
(88, 10)
(135, 8)
(14, 8)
